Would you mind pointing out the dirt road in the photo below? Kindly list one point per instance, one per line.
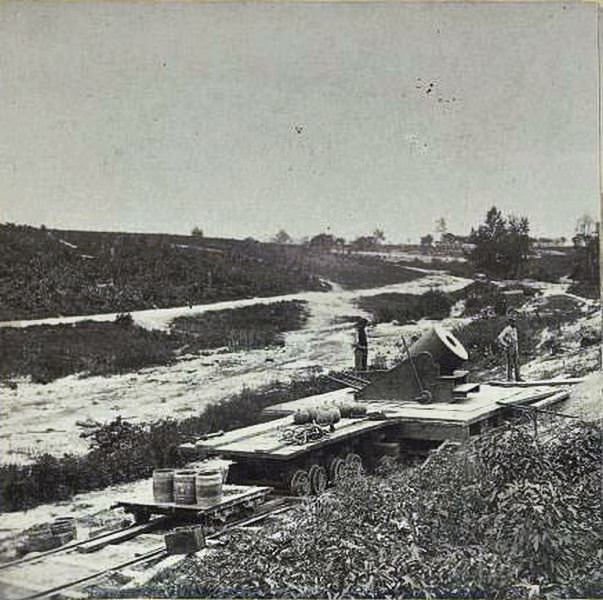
(42, 418)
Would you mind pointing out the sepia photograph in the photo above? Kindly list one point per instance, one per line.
(300, 300)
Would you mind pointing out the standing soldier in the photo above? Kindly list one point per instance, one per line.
(361, 346)
(510, 344)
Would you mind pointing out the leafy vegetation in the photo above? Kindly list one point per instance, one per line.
(586, 273)
(50, 272)
(480, 335)
(47, 352)
(481, 295)
(121, 451)
(384, 308)
(506, 516)
(502, 245)
(247, 327)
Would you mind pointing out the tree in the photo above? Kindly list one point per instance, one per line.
(379, 236)
(364, 243)
(585, 225)
(517, 245)
(427, 241)
(282, 237)
(340, 244)
(324, 242)
(586, 248)
(197, 232)
(441, 227)
(501, 246)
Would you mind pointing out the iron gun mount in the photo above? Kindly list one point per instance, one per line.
(432, 371)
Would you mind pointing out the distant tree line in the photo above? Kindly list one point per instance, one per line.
(327, 242)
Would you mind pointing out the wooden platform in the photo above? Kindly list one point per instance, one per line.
(412, 420)
(264, 440)
(477, 405)
(232, 496)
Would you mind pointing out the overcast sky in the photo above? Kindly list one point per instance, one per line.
(247, 118)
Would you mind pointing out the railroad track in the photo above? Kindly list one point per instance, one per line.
(62, 571)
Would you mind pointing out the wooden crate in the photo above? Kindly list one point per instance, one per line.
(184, 540)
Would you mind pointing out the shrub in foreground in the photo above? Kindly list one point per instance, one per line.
(503, 516)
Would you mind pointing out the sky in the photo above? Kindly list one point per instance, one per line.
(245, 118)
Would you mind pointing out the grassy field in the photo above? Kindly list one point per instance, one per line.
(384, 308)
(51, 272)
(47, 352)
(121, 451)
(435, 304)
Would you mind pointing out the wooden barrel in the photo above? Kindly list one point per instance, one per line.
(163, 485)
(208, 485)
(184, 487)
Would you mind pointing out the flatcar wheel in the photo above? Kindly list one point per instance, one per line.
(336, 467)
(318, 479)
(354, 462)
(300, 483)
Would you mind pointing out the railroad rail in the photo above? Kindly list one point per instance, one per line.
(77, 544)
(18, 586)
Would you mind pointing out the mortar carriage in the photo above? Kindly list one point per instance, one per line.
(422, 401)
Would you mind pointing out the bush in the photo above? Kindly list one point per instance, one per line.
(248, 327)
(47, 352)
(585, 289)
(121, 451)
(457, 527)
(480, 335)
(384, 308)
(124, 319)
(96, 272)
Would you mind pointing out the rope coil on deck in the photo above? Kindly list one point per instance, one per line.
(302, 434)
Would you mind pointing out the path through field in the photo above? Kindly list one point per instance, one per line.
(42, 418)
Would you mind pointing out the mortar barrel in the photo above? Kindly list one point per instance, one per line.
(444, 348)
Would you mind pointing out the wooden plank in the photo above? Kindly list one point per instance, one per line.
(264, 446)
(465, 388)
(335, 436)
(263, 440)
(524, 384)
(475, 407)
(121, 536)
(241, 434)
(551, 400)
(239, 495)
